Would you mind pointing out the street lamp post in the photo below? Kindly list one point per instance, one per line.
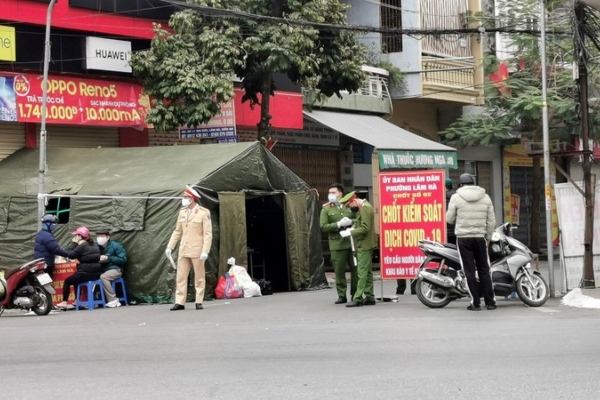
(42, 167)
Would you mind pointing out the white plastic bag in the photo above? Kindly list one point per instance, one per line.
(251, 289)
(238, 272)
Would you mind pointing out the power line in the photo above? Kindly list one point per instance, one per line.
(223, 13)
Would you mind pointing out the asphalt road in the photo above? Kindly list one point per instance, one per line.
(302, 346)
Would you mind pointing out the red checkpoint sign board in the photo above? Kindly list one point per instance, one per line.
(412, 206)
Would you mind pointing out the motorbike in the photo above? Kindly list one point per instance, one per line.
(26, 287)
(441, 279)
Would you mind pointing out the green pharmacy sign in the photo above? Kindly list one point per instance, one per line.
(398, 159)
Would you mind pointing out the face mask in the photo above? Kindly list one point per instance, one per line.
(332, 198)
(186, 202)
(102, 240)
(354, 209)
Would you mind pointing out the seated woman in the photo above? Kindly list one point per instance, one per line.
(87, 253)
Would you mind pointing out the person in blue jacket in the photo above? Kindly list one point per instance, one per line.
(45, 243)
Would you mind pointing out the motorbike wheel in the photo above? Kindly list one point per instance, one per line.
(431, 295)
(45, 305)
(534, 292)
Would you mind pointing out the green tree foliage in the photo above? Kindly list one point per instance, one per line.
(189, 67)
(513, 107)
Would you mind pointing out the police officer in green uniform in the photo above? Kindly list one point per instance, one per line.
(334, 217)
(365, 240)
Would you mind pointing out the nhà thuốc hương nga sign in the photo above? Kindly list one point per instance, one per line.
(397, 159)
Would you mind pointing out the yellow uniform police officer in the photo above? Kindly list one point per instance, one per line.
(193, 232)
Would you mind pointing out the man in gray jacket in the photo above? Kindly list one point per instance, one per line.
(472, 213)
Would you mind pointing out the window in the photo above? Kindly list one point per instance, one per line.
(61, 207)
(391, 17)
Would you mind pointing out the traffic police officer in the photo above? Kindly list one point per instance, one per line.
(194, 229)
(334, 217)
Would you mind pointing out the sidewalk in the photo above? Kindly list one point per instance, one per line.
(559, 285)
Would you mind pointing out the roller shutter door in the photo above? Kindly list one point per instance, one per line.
(317, 168)
(12, 138)
(76, 136)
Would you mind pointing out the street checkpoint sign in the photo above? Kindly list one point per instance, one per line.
(412, 206)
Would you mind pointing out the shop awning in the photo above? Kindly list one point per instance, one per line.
(396, 147)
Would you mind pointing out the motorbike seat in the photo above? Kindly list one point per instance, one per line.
(450, 246)
(8, 271)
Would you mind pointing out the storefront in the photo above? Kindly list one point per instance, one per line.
(80, 112)
(379, 145)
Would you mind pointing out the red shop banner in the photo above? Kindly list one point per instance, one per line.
(412, 207)
(72, 101)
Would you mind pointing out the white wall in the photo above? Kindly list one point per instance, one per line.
(366, 12)
(576, 172)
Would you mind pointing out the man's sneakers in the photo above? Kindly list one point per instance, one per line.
(341, 300)
(113, 304)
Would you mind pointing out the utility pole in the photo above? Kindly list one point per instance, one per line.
(588, 236)
(42, 166)
(546, 140)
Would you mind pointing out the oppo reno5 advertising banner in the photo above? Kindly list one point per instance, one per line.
(72, 101)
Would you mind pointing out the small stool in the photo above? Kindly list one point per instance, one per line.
(120, 281)
(91, 302)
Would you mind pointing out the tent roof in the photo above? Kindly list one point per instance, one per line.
(374, 130)
(110, 171)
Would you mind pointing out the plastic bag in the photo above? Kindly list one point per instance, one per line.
(251, 289)
(232, 290)
(220, 289)
(240, 274)
(265, 287)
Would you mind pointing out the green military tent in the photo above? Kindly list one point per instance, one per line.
(259, 208)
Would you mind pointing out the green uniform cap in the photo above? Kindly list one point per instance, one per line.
(348, 198)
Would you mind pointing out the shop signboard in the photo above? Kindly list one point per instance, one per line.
(73, 101)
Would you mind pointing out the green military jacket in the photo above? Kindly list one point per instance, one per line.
(331, 213)
(364, 228)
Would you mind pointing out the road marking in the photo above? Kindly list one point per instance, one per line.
(545, 309)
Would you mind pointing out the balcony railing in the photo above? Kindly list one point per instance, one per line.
(449, 79)
(372, 96)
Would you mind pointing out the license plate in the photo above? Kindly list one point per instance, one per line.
(44, 279)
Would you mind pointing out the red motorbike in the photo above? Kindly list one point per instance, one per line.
(27, 287)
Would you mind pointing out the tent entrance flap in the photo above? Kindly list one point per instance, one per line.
(297, 239)
(267, 239)
(232, 223)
